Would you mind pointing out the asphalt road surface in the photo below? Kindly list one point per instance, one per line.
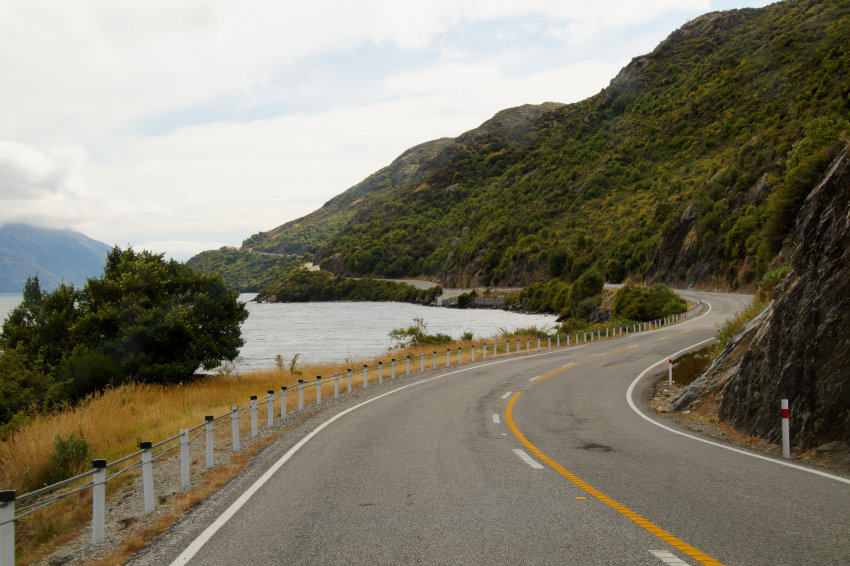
(533, 459)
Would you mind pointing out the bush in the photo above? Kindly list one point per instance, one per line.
(416, 335)
(647, 303)
(70, 457)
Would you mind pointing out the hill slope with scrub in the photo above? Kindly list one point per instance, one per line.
(689, 168)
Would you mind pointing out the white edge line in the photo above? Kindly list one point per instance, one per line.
(196, 545)
(706, 441)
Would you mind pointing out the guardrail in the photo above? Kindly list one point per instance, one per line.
(149, 453)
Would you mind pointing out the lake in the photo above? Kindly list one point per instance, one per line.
(334, 332)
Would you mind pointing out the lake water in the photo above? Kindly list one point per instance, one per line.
(333, 332)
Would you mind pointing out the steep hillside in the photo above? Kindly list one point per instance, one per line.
(689, 168)
(53, 255)
(797, 348)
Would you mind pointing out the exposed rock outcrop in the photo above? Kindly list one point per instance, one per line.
(801, 342)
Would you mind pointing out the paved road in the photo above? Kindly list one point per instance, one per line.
(485, 464)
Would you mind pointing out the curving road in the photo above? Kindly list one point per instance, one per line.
(536, 459)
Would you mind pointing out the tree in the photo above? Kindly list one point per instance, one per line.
(160, 321)
(145, 319)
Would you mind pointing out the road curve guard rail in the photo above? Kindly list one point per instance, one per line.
(14, 507)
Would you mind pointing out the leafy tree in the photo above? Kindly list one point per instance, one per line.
(160, 321)
(588, 285)
(145, 319)
(647, 303)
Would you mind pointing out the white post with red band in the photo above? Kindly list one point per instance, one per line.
(670, 373)
(786, 434)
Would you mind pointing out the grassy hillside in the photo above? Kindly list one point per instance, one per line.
(243, 270)
(689, 168)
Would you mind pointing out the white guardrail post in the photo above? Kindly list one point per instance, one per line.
(435, 359)
(147, 476)
(408, 365)
(365, 376)
(98, 502)
(392, 371)
(300, 394)
(7, 528)
(422, 362)
(253, 416)
(484, 351)
(336, 385)
(318, 389)
(184, 458)
(380, 372)
(283, 400)
(234, 426)
(472, 352)
(270, 408)
(209, 429)
(349, 380)
(448, 357)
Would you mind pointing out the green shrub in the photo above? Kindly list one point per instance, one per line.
(70, 457)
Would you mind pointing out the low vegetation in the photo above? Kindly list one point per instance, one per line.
(306, 286)
(243, 270)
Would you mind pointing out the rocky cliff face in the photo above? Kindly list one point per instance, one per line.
(798, 348)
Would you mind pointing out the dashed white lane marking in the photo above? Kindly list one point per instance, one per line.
(496, 419)
(668, 558)
(528, 459)
(506, 395)
(535, 377)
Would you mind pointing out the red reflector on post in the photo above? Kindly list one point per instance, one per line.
(784, 413)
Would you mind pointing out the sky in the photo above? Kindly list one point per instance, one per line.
(178, 127)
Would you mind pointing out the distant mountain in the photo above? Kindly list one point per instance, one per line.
(689, 168)
(53, 255)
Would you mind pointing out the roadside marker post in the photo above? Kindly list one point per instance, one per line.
(786, 433)
(670, 373)
(318, 389)
(283, 396)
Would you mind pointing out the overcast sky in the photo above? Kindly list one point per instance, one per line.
(180, 126)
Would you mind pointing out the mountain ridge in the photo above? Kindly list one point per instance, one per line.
(676, 172)
(53, 255)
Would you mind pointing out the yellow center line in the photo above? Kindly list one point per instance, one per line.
(677, 334)
(541, 378)
(623, 350)
(673, 541)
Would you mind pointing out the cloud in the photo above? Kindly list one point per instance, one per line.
(28, 173)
